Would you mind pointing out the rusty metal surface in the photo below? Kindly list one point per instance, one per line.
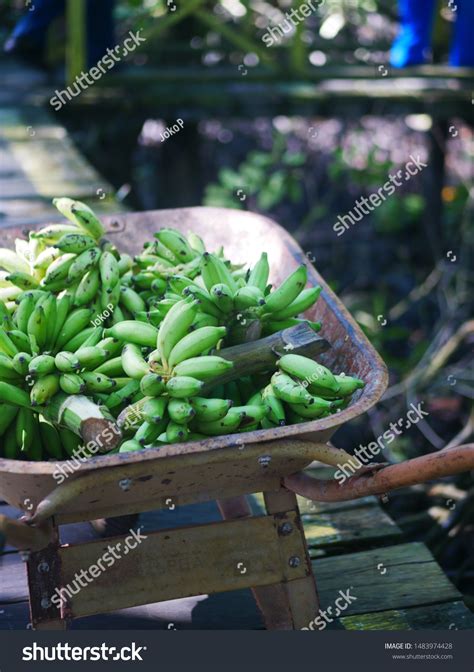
(244, 236)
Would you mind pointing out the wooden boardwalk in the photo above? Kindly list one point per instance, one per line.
(353, 545)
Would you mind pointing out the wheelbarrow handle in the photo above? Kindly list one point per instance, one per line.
(22, 536)
(377, 481)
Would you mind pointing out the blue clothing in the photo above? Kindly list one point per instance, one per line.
(413, 44)
(100, 25)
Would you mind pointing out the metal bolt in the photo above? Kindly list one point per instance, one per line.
(264, 460)
(294, 561)
(125, 484)
(43, 567)
(286, 528)
(45, 603)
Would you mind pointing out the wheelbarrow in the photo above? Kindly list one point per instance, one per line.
(266, 553)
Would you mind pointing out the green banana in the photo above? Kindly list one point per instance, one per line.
(7, 415)
(276, 410)
(154, 409)
(54, 232)
(46, 258)
(208, 410)
(315, 377)
(287, 291)
(180, 411)
(203, 368)
(23, 280)
(91, 357)
(67, 362)
(177, 244)
(315, 410)
(129, 446)
(75, 243)
(180, 387)
(176, 433)
(82, 263)
(73, 325)
(25, 434)
(11, 449)
(228, 424)
(12, 262)
(152, 385)
(303, 301)
(148, 432)
(10, 394)
(21, 363)
(223, 297)
(286, 389)
(134, 332)
(109, 270)
(72, 383)
(248, 297)
(175, 326)
(41, 365)
(87, 288)
(196, 343)
(44, 388)
(112, 367)
(37, 326)
(23, 312)
(58, 271)
(97, 382)
(124, 395)
(214, 271)
(20, 340)
(259, 274)
(132, 301)
(81, 339)
(50, 438)
(133, 362)
(81, 215)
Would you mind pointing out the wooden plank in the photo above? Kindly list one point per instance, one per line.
(412, 577)
(451, 616)
(336, 531)
(182, 562)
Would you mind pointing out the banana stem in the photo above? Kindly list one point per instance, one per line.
(261, 355)
(89, 421)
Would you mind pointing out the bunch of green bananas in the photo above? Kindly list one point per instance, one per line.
(141, 337)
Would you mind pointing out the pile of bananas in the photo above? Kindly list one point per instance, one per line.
(141, 339)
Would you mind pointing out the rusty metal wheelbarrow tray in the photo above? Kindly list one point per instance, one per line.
(226, 466)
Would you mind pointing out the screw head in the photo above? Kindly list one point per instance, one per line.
(43, 567)
(285, 529)
(264, 460)
(125, 484)
(294, 561)
(45, 603)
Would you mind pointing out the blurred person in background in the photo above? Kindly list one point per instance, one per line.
(413, 44)
(28, 39)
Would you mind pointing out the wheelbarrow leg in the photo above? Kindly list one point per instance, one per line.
(43, 578)
(288, 605)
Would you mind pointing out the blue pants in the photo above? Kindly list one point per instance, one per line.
(100, 24)
(413, 44)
